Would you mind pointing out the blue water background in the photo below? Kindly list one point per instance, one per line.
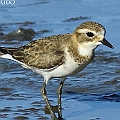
(99, 81)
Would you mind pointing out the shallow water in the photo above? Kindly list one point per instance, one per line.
(20, 96)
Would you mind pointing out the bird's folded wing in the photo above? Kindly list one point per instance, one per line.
(42, 54)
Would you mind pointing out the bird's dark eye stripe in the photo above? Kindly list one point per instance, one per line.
(90, 34)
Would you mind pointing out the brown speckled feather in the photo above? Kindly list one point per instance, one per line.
(44, 53)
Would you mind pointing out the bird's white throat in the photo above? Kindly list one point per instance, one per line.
(87, 48)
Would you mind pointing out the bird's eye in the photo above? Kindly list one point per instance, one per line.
(90, 34)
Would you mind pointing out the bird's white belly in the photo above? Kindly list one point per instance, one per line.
(68, 68)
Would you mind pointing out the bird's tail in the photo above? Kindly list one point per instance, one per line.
(7, 52)
(4, 50)
(15, 54)
(11, 53)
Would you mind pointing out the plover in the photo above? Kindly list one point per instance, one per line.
(59, 56)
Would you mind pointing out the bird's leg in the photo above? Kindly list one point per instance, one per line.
(59, 98)
(43, 91)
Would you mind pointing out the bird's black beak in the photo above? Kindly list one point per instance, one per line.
(106, 43)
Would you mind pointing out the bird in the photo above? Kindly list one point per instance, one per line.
(59, 56)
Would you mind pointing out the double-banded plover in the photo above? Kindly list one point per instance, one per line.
(59, 56)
